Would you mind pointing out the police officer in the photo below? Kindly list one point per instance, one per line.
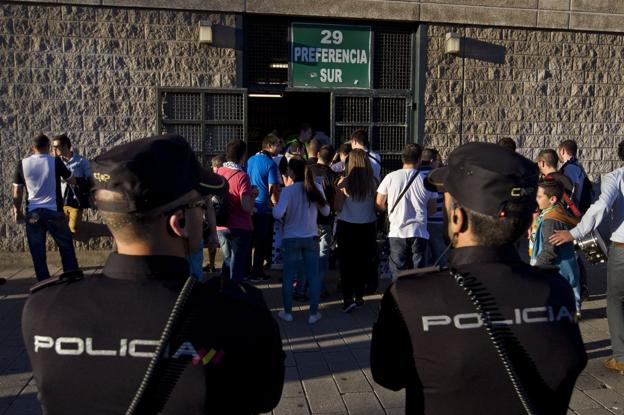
(490, 334)
(90, 339)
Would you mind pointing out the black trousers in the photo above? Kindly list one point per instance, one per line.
(357, 255)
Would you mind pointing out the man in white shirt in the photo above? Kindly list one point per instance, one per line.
(403, 194)
(609, 203)
(359, 140)
(40, 174)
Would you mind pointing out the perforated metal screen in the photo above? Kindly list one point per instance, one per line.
(208, 119)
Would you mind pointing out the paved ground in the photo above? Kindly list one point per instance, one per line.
(327, 364)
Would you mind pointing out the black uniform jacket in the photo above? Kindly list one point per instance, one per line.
(90, 341)
(430, 340)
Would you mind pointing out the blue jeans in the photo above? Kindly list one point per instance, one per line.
(295, 250)
(615, 300)
(406, 253)
(38, 223)
(326, 238)
(262, 241)
(235, 245)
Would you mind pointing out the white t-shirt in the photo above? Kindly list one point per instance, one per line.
(298, 213)
(409, 218)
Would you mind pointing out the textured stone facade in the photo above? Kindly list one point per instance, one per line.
(538, 87)
(92, 72)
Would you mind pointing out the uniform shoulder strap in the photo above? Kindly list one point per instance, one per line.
(64, 278)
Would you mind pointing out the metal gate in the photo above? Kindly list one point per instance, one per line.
(207, 118)
(384, 117)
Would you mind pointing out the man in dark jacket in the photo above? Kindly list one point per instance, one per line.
(491, 334)
(90, 339)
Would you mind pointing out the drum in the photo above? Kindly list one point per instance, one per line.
(594, 247)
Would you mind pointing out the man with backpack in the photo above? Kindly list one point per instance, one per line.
(582, 193)
(234, 226)
(403, 194)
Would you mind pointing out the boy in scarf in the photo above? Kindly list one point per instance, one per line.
(553, 216)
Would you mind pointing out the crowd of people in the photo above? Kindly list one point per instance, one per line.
(449, 231)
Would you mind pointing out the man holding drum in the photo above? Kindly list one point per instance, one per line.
(611, 201)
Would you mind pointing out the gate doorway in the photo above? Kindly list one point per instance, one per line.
(284, 112)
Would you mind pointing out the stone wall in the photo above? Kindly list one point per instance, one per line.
(538, 87)
(92, 72)
(596, 15)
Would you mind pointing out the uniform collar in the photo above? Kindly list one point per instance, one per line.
(135, 267)
(480, 254)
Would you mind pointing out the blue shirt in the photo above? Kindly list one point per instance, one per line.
(80, 168)
(611, 200)
(262, 172)
(577, 175)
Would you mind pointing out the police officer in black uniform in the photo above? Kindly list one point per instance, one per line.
(90, 339)
(491, 334)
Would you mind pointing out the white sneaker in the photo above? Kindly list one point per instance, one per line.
(285, 316)
(314, 318)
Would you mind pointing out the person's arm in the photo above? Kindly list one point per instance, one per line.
(18, 192)
(391, 356)
(279, 210)
(548, 253)
(274, 181)
(211, 222)
(381, 201)
(248, 194)
(64, 172)
(432, 205)
(594, 215)
(340, 196)
(324, 210)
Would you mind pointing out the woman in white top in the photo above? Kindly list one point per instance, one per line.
(298, 205)
(356, 230)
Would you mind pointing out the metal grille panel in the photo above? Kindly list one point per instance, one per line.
(390, 162)
(389, 139)
(182, 106)
(192, 133)
(393, 59)
(267, 43)
(224, 107)
(343, 132)
(352, 109)
(217, 136)
(389, 110)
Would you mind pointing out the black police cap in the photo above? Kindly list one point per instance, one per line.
(152, 175)
(488, 179)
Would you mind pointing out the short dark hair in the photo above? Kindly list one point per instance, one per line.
(428, 156)
(360, 136)
(270, 140)
(552, 188)
(569, 146)
(621, 150)
(411, 153)
(314, 146)
(507, 142)
(41, 141)
(63, 139)
(499, 231)
(345, 148)
(129, 227)
(235, 150)
(548, 156)
(326, 153)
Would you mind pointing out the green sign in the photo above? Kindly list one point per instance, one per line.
(330, 56)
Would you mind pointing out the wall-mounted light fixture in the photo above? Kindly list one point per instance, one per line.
(452, 44)
(265, 95)
(205, 32)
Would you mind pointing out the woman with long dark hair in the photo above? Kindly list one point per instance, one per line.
(356, 229)
(298, 206)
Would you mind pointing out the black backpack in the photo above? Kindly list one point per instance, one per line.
(587, 195)
(221, 204)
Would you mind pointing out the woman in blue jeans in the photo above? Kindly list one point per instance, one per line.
(298, 205)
